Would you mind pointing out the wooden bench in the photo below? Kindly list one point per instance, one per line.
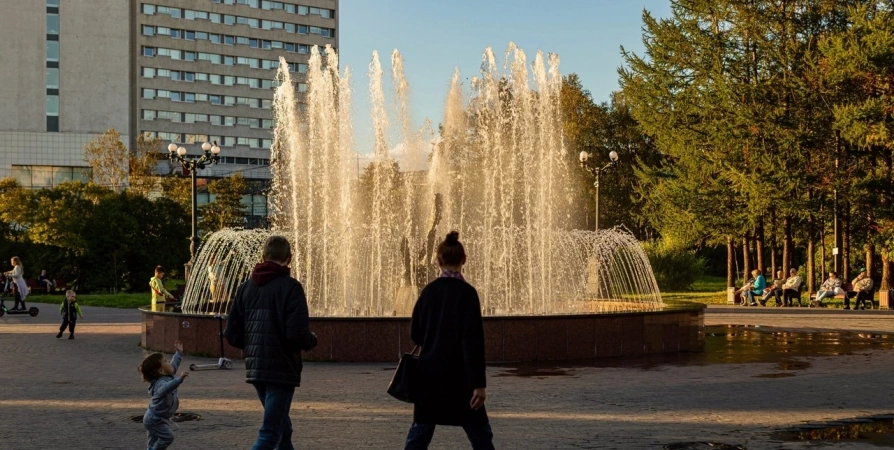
(34, 287)
(848, 290)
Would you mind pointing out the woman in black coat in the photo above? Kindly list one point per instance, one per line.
(450, 383)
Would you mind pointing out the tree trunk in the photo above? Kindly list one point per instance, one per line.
(730, 262)
(811, 266)
(846, 247)
(773, 267)
(746, 258)
(870, 256)
(787, 244)
(822, 224)
(886, 271)
(760, 263)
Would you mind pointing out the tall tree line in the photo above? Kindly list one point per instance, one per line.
(771, 120)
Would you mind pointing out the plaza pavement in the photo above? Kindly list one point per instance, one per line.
(80, 394)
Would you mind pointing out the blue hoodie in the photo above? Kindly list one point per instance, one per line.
(163, 390)
(759, 284)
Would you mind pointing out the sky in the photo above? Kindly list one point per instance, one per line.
(437, 36)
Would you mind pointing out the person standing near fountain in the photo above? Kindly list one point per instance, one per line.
(450, 384)
(269, 321)
(159, 293)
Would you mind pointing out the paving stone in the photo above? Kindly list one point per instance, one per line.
(80, 394)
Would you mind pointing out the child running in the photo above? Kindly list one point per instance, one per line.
(70, 311)
(159, 373)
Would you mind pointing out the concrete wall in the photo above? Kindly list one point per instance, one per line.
(23, 65)
(94, 66)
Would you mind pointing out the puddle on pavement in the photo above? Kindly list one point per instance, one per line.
(534, 371)
(875, 430)
(733, 344)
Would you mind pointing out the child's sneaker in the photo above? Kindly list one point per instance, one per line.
(71, 336)
(59, 335)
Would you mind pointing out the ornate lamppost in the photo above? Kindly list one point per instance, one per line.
(591, 166)
(177, 155)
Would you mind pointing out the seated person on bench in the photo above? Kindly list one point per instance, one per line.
(45, 282)
(756, 289)
(830, 288)
(862, 290)
(774, 290)
(792, 288)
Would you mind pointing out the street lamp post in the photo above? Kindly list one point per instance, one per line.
(589, 165)
(210, 155)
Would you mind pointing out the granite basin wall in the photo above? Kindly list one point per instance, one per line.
(507, 339)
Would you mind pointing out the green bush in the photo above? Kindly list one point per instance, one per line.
(675, 269)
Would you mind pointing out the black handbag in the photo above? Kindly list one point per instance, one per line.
(401, 386)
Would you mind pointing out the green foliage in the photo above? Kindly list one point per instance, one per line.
(226, 208)
(600, 129)
(96, 239)
(675, 269)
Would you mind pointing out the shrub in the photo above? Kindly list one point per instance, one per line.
(675, 268)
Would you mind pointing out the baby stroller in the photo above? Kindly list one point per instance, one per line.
(6, 284)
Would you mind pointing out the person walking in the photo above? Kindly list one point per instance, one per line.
(450, 384)
(70, 311)
(269, 322)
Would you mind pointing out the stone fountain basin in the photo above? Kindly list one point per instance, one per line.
(678, 327)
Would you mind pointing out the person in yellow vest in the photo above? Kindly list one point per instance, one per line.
(156, 283)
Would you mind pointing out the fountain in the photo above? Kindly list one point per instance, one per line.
(498, 173)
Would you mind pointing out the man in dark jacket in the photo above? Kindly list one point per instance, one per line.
(269, 321)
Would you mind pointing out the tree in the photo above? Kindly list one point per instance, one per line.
(109, 158)
(859, 65)
(226, 210)
(142, 163)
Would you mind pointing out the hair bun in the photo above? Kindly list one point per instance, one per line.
(452, 238)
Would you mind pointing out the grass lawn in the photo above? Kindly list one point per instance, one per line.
(119, 300)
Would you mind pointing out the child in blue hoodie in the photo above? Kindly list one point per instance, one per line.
(159, 373)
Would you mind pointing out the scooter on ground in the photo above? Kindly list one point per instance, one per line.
(7, 290)
(222, 362)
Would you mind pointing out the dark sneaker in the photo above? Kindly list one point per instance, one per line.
(59, 335)
(71, 336)
(848, 307)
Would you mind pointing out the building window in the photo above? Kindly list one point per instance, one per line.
(148, 9)
(52, 23)
(52, 78)
(148, 30)
(53, 51)
(148, 51)
(52, 105)
(53, 3)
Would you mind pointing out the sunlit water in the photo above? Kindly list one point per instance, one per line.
(499, 173)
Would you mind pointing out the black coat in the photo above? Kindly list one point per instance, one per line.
(270, 323)
(447, 325)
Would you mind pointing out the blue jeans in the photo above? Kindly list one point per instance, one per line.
(276, 431)
(420, 436)
(158, 432)
(750, 296)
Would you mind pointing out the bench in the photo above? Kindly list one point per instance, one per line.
(34, 287)
(848, 290)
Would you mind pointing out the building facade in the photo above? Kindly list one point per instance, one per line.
(186, 71)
